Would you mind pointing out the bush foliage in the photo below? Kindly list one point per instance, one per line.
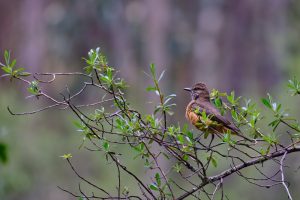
(181, 162)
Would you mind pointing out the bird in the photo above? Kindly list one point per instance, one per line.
(204, 116)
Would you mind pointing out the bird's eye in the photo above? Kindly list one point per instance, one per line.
(195, 95)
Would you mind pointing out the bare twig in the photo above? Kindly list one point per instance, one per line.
(282, 177)
(85, 180)
(240, 167)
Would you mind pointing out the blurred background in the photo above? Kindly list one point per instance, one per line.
(250, 46)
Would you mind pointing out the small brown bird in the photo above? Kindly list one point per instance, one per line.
(204, 116)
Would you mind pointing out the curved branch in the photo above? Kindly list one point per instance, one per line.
(232, 170)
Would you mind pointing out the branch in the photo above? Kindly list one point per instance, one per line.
(85, 180)
(282, 177)
(232, 170)
(131, 174)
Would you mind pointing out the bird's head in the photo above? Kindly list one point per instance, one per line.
(199, 91)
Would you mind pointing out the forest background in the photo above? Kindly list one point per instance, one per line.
(249, 46)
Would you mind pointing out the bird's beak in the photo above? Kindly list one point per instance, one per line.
(188, 89)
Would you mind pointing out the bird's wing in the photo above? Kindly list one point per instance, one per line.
(214, 115)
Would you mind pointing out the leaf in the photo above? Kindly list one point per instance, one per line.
(185, 157)
(180, 139)
(218, 102)
(190, 135)
(106, 146)
(161, 75)
(206, 134)
(274, 106)
(78, 124)
(25, 74)
(278, 108)
(33, 88)
(66, 156)
(7, 70)
(19, 70)
(157, 92)
(13, 63)
(214, 162)
(177, 167)
(226, 137)
(189, 140)
(172, 95)
(154, 187)
(230, 97)
(7, 57)
(150, 88)
(153, 69)
(157, 108)
(266, 102)
(3, 153)
(158, 180)
(235, 115)
(167, 100)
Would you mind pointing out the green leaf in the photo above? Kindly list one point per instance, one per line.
(278, 108)
(274, 124)
(206, 134)
(235, 115)
(271, 139)
(294, 86)
(153, 70)
(7, 69)
(3, 153)
(214, 162)
(19, 70)
(105, 146)
(180, 139)
(185, 157)
(154, 187)
(78, 124)
(190, 135)
(66, 156)
(150, 88)
(24, 74)
(266, 102)
(33, 88)
(231, 97)
(158, 179)
(103, 59)
(157, 108)
(109, 73)
(7, 57)
(218, 102)
(177, 167)
(139, 148)
(226, 137)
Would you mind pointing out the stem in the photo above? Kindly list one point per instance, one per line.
(239, 167)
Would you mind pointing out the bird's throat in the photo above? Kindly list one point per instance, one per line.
(203, 99)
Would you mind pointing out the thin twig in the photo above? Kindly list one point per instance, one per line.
(282, 177)
(240, 167)
(84, 179)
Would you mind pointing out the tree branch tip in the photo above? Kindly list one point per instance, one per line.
(9, 110)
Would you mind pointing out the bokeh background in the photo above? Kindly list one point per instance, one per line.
(250, 46)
